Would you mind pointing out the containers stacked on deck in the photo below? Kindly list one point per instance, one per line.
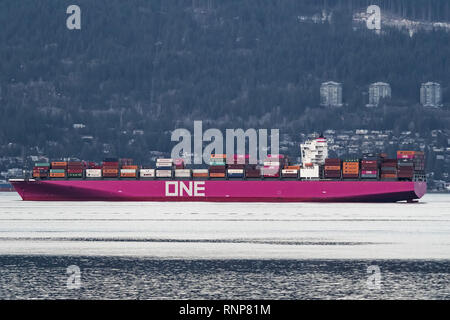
(409, 162)
(290, 172)
(110, 168)
(58, 169)
(217, 166)
(310, 171)
(164, 168)
(75, 169)
(419, 162)
(93, 171)
(180, 171)
(41, 170)
(200, 173)
(128, 171)
(273, 165)
(252, 172)
(350, 169)
(236, 166)
(388, 169)
(369, 169)
(332, 169)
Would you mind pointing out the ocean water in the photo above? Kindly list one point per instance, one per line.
(131, 250)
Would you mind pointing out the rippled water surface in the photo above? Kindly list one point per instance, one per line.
(224, 250)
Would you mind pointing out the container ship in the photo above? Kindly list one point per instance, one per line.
(371, 178)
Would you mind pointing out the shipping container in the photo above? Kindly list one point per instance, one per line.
(163, 173)
(93, 173)
(179, 163)
(128, 173)
(350, 175)
(389, 176)
(218, 156)
(271, 171)
(110, 172)
(289, 173)
(42, 164)
(309, 172)
(129, 167)
(165, 160)
(369, 176)
(147, 173)
(182, 173)
(235, 173)
(241, 171)
(57, 173)
(217, 174)
(271, 163)
(62, 164)
(253, 173)
(200, 173)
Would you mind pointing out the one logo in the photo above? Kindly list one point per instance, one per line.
(180, 189)
(374, 279)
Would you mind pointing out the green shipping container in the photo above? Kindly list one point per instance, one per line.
(75, 175)
(57, 170)
(42, 164)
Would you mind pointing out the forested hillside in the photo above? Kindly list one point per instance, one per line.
(154, 65)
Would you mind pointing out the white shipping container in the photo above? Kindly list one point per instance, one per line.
(182, 173)
(147, 173)
(289, 171)
(127, 171)
(164, 160)
(271, 163)
(309, 172)
(93, 173)
(200, 171)
(164, 173)
(236, 171)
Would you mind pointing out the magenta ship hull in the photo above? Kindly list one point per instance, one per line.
(219, 190)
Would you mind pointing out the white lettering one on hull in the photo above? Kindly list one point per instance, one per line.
(179, 188)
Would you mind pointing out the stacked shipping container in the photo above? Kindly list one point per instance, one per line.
(110, 168)
(75, 169)
(350, 169)
(236, 166)
(217, 166)
(388, 169)
(369, 169)
(58, 169)
(273, 165)
(406, 165)
(164, 168)
(409, 162)
(332, 168)
(310, 171)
